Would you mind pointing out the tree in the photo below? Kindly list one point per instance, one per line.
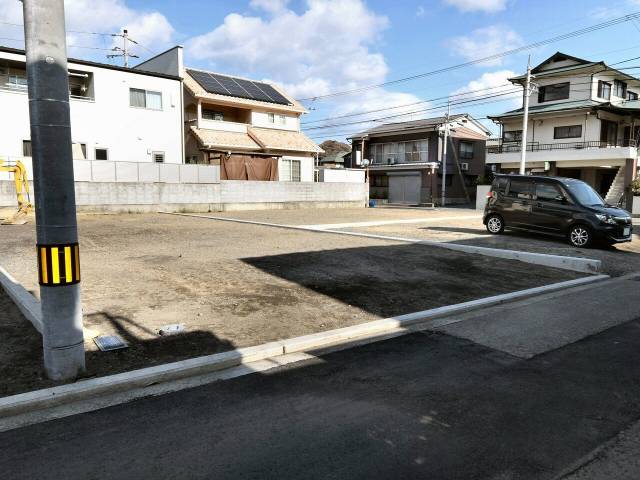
(333, 147)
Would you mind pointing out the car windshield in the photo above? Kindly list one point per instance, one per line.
(584, 194)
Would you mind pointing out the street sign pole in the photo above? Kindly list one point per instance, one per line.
(56, 224)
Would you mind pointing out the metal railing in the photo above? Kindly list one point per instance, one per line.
(513, 147)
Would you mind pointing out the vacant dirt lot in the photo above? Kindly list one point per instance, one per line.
(238, 285)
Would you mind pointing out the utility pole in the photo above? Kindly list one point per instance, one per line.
(444, 153)
(124, 51)
(56, 224)
(525, 118)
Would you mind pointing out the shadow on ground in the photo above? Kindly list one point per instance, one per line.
(21, 364)
(398, 279)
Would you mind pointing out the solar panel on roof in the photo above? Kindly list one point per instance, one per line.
(238, 87)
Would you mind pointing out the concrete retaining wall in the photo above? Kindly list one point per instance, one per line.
(636, 207)
(481, 196)
(201, 197)
(341, 175)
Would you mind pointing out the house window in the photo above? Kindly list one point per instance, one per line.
(619, 88)
(632, 95)
(290, 170)
(102, 154)
(399, 152)
(512, 136)
(281, 119)
(604, 89)
(79, 151)
(558, 91)
(212, 115)
(26, 148)
(466, 150)
(18, 81)
(145, 99)
(158, 157)
(571, 131)
(271, 117)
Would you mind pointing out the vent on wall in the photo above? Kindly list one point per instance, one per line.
(158, 157)
(464, 166)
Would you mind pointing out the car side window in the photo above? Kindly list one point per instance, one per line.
(499, 185)
(548, 192)
(519, 189)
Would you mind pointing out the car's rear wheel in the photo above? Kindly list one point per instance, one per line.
(495, 224)
(580, 236)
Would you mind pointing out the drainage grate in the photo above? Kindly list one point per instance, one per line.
(110, 342)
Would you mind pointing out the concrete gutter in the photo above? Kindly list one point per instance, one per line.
(26, 303)
(576, 264)
(337, 339)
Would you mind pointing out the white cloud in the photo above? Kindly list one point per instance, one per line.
(326, 47)
(149, 28)
(491, 83)
(485, 42)
(489, 6)
(272, 6)
(420, 11)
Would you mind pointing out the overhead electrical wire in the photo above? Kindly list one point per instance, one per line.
(575, 33)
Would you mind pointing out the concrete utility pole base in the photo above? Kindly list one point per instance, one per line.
(62, 336)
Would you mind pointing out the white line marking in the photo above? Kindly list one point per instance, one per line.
(323, 226)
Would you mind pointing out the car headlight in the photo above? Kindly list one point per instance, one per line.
(605, 218)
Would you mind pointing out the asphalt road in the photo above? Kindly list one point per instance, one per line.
(420, 406)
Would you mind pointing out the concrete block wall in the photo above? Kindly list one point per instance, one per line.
(202, 197)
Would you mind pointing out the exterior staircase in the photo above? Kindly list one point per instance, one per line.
(617, 188)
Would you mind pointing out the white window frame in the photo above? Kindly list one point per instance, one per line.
(271, 117)
(290, 177)
(82, 144)
(146, 99)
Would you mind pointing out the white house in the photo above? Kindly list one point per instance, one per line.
(583, 123)
(117, 114)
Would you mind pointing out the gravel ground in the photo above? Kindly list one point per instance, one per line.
(236, 285)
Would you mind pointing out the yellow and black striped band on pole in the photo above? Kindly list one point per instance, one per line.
(59, 265)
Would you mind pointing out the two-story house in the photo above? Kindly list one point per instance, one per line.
(404, 159)
(583, 123)
(250, 128)
(117, 114)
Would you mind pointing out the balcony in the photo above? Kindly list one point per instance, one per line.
(568, 151)
(511, 147)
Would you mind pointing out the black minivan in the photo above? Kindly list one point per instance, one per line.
(563, 207)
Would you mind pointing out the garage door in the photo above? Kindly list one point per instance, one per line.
(404, 188)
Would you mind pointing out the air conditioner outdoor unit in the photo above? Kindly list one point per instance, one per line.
(464, 166)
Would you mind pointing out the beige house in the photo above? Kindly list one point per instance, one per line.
(250, 128)
(255, 138)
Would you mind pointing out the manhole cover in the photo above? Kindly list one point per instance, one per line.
(110, 342)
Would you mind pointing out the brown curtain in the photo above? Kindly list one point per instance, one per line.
(248, 167)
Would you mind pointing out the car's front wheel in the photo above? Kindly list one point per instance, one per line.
(495, 224)
(580, 236)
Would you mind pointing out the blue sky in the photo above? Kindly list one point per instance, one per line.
(318, 47)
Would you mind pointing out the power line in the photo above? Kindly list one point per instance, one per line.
(409, 104)
(575, 33)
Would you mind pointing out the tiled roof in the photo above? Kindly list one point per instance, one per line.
(417, 125)
(197, 91)
(273, 139)
(556, 107)
(224, 140)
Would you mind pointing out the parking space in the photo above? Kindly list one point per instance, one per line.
(235, 285)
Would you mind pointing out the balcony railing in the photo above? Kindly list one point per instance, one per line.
(513, 147)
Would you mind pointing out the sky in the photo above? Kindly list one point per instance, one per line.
(314, 48)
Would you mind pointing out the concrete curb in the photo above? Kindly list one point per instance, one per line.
(342, 337)
(576, 264)
(26, 303)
